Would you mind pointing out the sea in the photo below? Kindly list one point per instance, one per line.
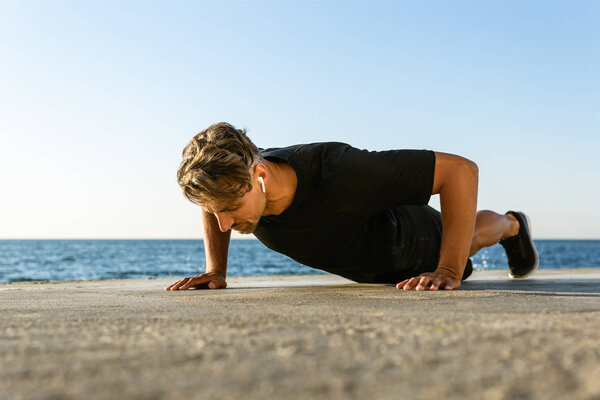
(65, 260)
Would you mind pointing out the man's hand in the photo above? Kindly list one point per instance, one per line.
(210, 280)
(439, 279)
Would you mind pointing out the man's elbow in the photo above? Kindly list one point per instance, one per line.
(473, 169)
(451, 170)
(469, 173)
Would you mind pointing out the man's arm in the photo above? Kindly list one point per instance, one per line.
(456, 181)
(216, 244)
(216, 247)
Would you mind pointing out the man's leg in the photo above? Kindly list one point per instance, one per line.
(490, 228)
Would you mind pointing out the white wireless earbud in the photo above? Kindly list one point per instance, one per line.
(262, 183)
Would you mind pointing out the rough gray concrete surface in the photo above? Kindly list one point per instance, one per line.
(303, 337)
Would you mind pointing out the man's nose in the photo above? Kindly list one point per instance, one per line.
(225, 221)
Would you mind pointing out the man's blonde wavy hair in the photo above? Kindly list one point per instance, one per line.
(216, 165)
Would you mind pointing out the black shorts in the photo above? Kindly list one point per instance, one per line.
(421, 239)
(402, 242)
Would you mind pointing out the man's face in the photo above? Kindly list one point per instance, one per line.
(242, 215)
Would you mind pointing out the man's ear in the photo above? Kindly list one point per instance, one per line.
(260, 170)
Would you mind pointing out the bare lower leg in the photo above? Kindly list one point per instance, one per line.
(490, 227)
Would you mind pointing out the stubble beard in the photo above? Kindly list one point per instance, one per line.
(246, 228)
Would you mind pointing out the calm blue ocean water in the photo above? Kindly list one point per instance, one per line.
(61, 260)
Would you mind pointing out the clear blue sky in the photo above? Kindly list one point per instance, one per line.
(97, 100)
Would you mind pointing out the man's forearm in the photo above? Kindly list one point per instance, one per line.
(458, 199)
(216, 244)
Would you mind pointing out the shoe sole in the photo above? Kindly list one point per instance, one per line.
(537, 260)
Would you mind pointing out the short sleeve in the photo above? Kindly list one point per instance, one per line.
(373, 181)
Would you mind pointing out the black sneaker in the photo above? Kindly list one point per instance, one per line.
(520, 250)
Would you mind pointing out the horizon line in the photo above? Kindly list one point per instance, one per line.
(237, 238)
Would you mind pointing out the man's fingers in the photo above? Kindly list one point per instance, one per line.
(207, 280)
(423, 283)
(188, 284)
(171, 286)
(409, 284)
(449, 286)
(452, 284)
(412, 282)
(435, 285)
(176, 283)
(401, 284)
(217, 284)
(180, 284)
(197, 280)
(429, 281)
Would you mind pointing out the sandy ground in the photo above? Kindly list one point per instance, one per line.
(308, 337)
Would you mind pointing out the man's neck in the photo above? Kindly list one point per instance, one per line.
(281, 187)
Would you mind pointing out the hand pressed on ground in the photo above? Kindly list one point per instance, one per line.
(209, 280)
(439, 279)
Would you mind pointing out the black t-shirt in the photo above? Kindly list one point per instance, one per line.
(342, 217)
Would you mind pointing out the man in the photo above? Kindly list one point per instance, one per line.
(356, 213)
